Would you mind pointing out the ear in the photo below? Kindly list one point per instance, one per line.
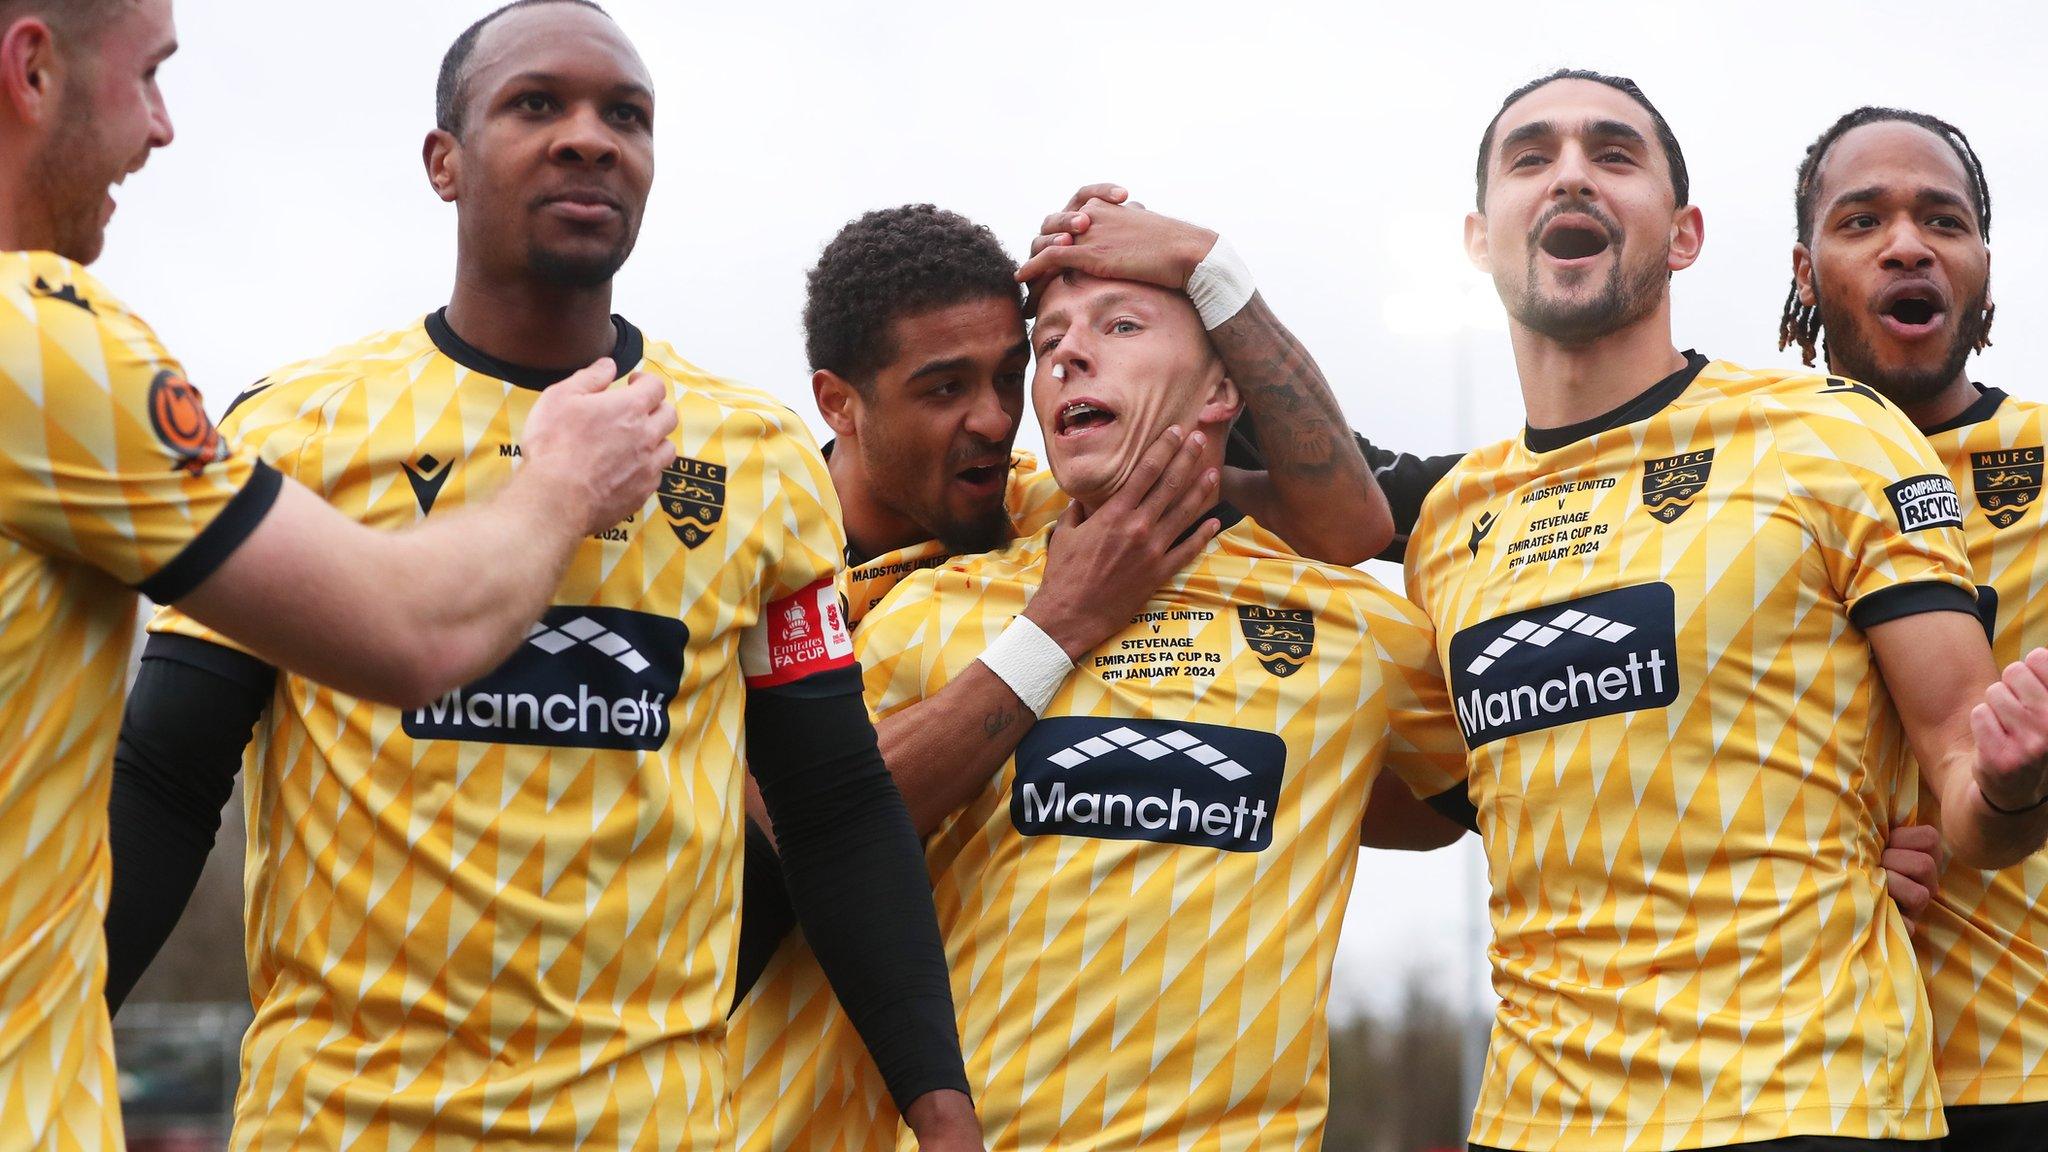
(1688, 236)
(1223, 404)
(1802, 275)
(1475, 242)
(443, 156)
(28, 73)
(1988, 302)
(838, 402)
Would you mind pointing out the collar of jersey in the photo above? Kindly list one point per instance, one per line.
(626, 352)
(1644, 405)
(1981, 409)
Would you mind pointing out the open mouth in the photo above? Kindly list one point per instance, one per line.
(983, 476)
(1573, 240)
(1912, 309)
(1078, 417)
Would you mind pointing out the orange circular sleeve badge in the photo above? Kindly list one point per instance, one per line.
(178, 415)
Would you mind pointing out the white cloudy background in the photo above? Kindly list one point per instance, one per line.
(1334, 144)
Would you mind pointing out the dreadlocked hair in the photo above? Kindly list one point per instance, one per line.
(1800, 323)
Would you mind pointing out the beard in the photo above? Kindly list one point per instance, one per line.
(1850, 351)
(962, 535)
(1627, 295)
(69, 184)
(972, 537)
(579, 270)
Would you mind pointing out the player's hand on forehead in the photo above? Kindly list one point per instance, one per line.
(1101, 232)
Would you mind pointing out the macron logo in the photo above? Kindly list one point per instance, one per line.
(1541, 635)
(1152, 748)
(584, 630)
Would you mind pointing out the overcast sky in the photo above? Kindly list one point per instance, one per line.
(1333, 144)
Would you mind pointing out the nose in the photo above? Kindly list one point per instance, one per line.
(161, 133)
(1071, 358)
(1904, 247)
(990, 418)
(1571, 177)
(586, 139)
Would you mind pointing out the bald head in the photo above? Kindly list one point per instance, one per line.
(452, 90)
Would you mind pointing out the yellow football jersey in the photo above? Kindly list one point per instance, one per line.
(1142, 907)
(112, 479)
(786, 1097)
(507, 918)
(1984, 944)
(1690, 957)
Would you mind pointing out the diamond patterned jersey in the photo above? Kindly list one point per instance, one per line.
(1984, 944)
(1141, 943)
(1684, 806)
(507, 918)
(788, 1097)
(109, 470)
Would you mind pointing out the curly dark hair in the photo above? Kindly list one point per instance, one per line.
(451, 88)
(890, 263)
(1681, 181)
(1801, 323)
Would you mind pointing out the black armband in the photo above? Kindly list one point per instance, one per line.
(855, 873)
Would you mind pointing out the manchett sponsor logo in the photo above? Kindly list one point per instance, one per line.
(1202, 785)
(1594, 656)
(584, 678)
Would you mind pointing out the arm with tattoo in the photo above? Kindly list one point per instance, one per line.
(1315, 488)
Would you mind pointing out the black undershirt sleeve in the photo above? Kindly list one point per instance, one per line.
(189, 716)
(1405, 479)
(855, 873)
(765, 914)
(1456, 806)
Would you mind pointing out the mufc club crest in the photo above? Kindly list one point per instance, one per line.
(2007, 483)
(1282, 638)
(692, 496)
(1670, 484)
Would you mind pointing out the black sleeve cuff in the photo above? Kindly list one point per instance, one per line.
(218, 540)
(1901, 600)
(1456, 806)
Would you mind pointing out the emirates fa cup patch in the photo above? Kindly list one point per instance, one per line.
(1281, 638)
(692, 496)
(2006, 483)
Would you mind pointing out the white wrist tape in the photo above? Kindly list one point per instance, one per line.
(1220, 286)
(1030, 662)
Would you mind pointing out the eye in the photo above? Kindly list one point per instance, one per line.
(1046, 346)
(1527, 160)
(629, 114)
(1615, 156)
(1861, 221)
(1124, 326)
(945, 389)
(1010, 381)
(1948, 223)
(536, 102)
